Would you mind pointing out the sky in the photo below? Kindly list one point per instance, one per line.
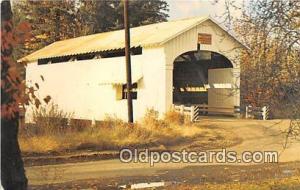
(192, 8)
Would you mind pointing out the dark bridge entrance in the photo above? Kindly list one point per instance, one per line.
(190, 76)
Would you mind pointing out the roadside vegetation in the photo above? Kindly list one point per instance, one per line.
(53, 130)
(292, 183)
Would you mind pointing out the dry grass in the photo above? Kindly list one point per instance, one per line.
(292, 183)
(50, 119)
(39, 144)
(176, 118)
(110, 134)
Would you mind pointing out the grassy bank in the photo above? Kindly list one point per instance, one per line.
(51, 133)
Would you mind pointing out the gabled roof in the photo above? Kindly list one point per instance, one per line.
(143, 36)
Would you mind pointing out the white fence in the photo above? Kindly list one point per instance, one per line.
(186, 110)
(195, 111)
(257, 112)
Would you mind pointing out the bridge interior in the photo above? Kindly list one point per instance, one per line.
(190, 76)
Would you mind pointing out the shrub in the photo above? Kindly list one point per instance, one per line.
(151, 119)
(79, 124)
(174, 117)
(50, 119)
(110, 121)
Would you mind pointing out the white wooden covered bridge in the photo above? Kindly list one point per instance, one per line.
(184, 62)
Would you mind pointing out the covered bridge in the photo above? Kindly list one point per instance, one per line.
(184, 62)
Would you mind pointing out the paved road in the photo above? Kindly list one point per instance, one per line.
(256, 135)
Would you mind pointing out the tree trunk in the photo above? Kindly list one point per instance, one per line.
(12, 168)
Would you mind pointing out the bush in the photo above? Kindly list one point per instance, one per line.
(50, 119)
(79, 124)
(110, 121)
(151, 120)
(174, 117)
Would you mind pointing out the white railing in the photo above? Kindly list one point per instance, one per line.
(194, 111)
(257, 112)
(190, 111)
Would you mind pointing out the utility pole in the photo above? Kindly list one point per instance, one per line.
(128, 62)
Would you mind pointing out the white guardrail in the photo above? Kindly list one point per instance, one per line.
(195, 111)
(257, 112)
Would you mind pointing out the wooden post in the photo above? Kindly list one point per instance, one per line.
(264, 112)
(128, 63)
(182, 109)
(192, 113)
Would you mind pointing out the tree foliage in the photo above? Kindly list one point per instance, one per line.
(64, 19)
(108, 15)
(12, 84)
(271, 67)
(50, 21)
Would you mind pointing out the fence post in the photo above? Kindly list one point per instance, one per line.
(247, 112)
(192, 113)
(265, 112)
(182, 109)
